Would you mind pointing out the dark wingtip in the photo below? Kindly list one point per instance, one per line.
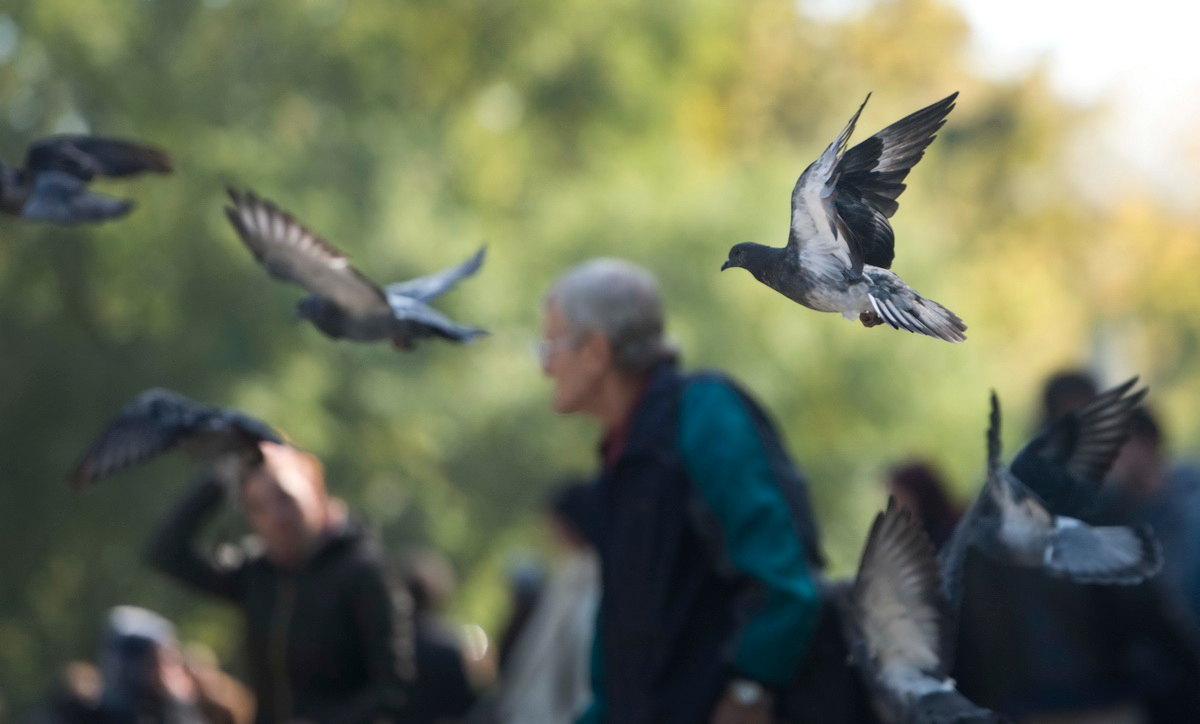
(993, 435)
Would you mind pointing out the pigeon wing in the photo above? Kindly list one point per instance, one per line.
(815, 235)
(292, 253)
(86, 157)
(428, 287)
(410, 311)
(1119, 555)
(61, 198)
(869, 178)
(1066, 463)
(146, 427)
(897, 601)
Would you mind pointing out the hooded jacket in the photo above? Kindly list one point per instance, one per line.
(328, 642)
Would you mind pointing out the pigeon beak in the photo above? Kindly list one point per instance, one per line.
(726, 265)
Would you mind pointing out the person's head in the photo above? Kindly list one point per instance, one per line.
(430, 578)
(918, 487)
(140, 659)
(574, 515)
(286, 502)
(1138, 467)
(1066, 392)
(604, 321)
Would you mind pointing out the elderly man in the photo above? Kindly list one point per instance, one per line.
(708, 540)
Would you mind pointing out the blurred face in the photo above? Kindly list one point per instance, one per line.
(577, 367)
(285, 504)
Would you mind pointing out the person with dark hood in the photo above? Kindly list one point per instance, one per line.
(708, 550)
(443, 691)
(546, 679)
(328, 641)
(919, 487)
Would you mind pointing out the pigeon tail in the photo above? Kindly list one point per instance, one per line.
(951, 707)
(903, 308)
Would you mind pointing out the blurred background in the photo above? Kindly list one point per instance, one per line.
(1055, 213)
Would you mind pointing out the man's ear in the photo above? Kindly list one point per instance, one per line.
(597, 350)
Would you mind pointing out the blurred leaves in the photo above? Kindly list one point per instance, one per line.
(409, 132)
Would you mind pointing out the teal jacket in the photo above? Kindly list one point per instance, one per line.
(707, 559)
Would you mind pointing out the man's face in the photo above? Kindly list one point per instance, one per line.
(576, 366)
(286, 508)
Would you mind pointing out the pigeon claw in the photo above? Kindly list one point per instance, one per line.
(870, 319)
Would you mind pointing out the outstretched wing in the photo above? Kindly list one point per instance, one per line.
(897, 602)
(1067, 461)
(86, 157)
(434, 285)
(1110, 554)
(869, 178)
(291, 252)
(156, 421)
(61, 198)
(146, 427)
(814, 234)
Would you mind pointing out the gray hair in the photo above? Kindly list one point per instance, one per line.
(620, 301)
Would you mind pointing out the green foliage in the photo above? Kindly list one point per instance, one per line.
(409, 132)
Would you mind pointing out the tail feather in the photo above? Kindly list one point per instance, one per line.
(951, 707)
(903, 308)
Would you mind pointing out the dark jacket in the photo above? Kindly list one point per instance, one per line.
(706, 552)
(328, 642)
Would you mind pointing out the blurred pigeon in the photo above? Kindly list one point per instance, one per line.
(343, 303)
(1068, 460)
(158, 420)
(53, 186)
(900, 629)
(1009, 522)
(841, 245)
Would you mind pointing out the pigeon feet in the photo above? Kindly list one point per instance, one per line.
(870, 319)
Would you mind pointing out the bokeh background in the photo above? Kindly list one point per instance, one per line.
(409, 132)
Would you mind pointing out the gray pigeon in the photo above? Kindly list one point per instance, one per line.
(342, 302)
(53, 186)
(901, 631)
(1067, 462)
(841, 245)
(156, 421)
(1009, 522)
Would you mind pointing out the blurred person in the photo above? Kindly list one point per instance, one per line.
(525, 579)
(547, 678)
(708, 548)
(73, 696)
(1065, 392)
(442, 692)
(1147, 488)
(1160, 621)
(141, 678)
(326, 638)
(919, 487)
(1046, 651)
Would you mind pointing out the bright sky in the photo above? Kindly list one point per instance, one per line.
(1140, 59)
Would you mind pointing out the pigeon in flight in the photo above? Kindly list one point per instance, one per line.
(900, 629)
(158, 420)
(1011, 523)
(1069, 459)
(840, 246)
(342, 302)
(53, 186)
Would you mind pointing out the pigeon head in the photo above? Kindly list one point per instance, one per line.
(749, 256)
